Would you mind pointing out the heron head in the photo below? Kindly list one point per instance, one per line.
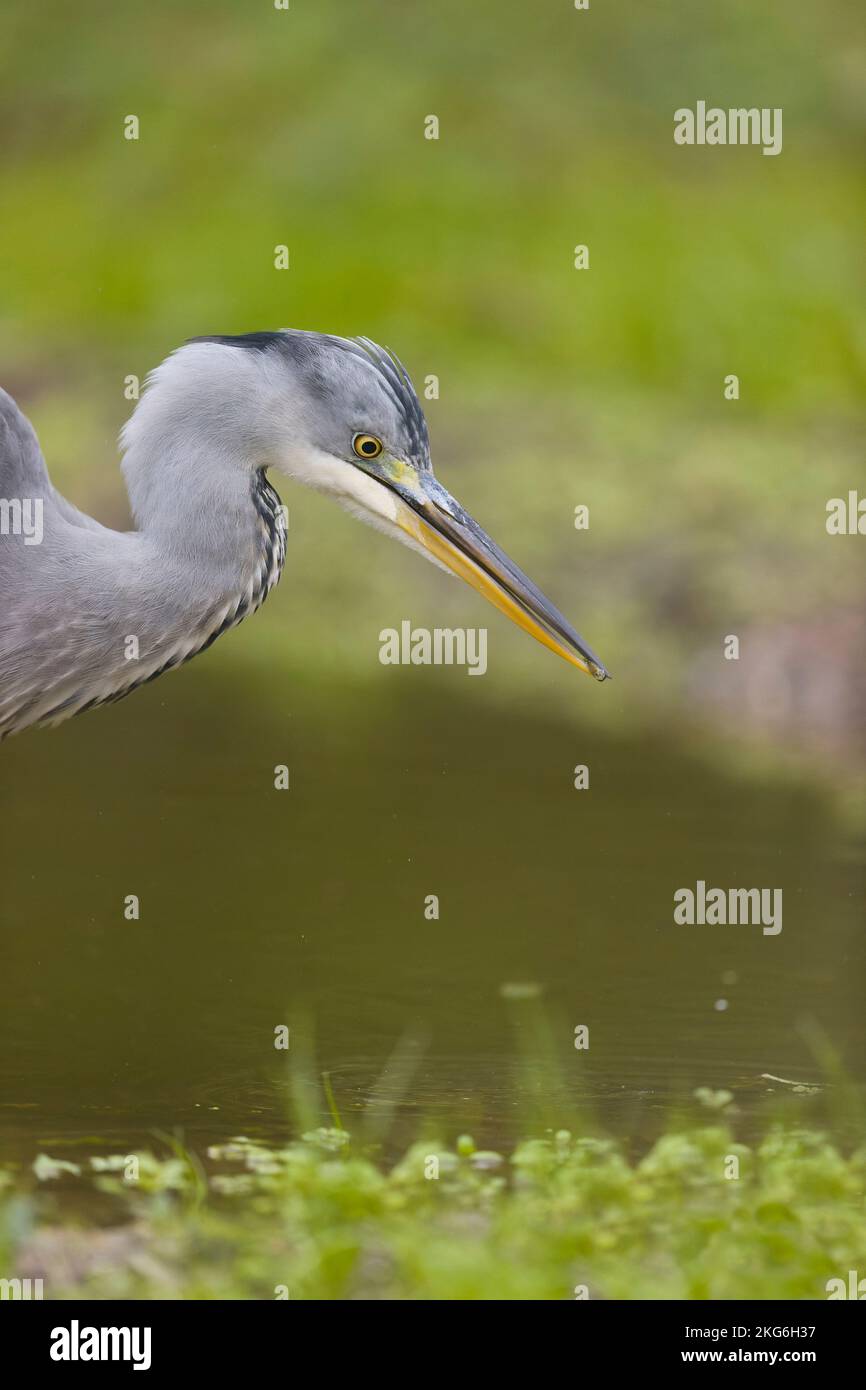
(342, 416)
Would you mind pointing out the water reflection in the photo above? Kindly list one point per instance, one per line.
(259, 905)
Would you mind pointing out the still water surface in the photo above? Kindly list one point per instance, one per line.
(261, 908)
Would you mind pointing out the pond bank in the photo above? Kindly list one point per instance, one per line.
(699, 1216)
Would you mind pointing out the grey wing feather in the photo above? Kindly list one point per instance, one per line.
(38, 634)
(22, 467)
(23, 473)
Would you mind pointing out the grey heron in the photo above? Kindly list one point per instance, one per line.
(88, 614)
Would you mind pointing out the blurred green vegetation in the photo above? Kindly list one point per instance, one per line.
(736, 1194)
(306, 127)
(699, 1216)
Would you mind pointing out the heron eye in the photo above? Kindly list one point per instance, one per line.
(367, 446)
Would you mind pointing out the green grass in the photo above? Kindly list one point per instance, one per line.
(565, 1216)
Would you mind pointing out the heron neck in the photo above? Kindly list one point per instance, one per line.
(202, 559)
(215, 526)
(189, 504)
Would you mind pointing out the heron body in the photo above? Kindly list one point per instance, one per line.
(88, 614)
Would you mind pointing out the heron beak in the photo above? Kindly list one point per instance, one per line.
(428, 513)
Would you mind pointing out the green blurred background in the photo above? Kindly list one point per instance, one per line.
(604, 387)
(558, 387)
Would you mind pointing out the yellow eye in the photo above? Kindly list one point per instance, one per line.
(367, 446)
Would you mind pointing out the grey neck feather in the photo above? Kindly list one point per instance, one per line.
(209, 546)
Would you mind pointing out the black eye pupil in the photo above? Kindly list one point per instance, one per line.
(368, 447)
